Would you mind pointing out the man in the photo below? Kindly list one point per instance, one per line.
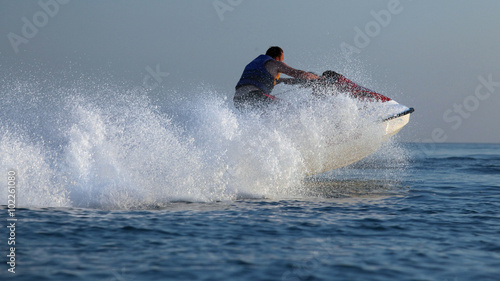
(259, 77)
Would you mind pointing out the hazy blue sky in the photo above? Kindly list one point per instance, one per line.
(435, 56)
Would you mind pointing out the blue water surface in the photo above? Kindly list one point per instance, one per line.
(434, 217)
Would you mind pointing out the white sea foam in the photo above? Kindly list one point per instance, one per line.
(96, 145)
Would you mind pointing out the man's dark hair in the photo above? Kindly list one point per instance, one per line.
(274, 52)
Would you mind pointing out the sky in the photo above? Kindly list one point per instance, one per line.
(440, 57)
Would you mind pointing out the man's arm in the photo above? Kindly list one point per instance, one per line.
(274, 67)
(291, 81)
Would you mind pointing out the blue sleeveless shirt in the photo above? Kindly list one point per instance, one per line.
(255, 73)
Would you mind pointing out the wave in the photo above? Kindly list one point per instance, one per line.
(98, 145)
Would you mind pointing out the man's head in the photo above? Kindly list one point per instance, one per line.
(276, 53)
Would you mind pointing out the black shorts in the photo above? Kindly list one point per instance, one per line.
(252, 100)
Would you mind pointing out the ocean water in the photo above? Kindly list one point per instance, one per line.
(114, 185)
